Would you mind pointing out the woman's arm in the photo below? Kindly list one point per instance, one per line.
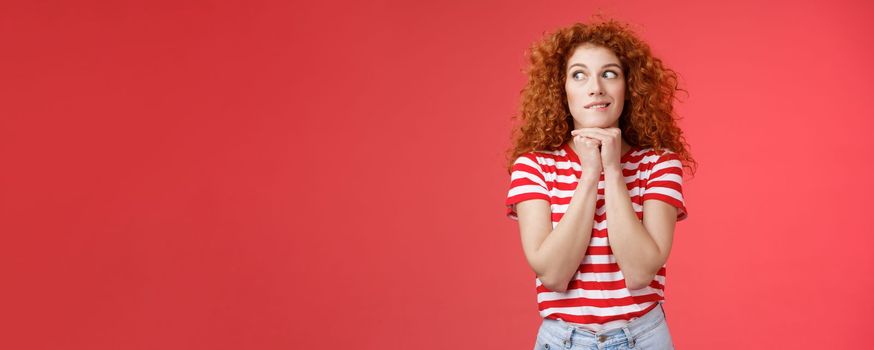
(641, 249)
(555, 254)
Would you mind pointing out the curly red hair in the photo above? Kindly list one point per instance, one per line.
(647, 118)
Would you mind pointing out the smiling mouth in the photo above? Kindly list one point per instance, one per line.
(598, 106)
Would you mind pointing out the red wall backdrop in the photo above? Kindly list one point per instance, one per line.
(266, 175)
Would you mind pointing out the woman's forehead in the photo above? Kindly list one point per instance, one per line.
(591, 56)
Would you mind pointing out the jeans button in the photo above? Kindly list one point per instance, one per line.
(602, 338)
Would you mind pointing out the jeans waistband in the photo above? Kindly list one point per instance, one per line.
(571, 334)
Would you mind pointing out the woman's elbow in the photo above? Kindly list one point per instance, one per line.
(554, 286)
(638, 282)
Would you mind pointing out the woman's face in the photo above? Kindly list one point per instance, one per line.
(594, 76)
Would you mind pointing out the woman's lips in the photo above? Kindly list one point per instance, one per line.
(598, 109)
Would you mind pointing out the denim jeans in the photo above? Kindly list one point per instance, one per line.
(648, 332)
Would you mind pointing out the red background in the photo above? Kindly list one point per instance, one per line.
(265, 175)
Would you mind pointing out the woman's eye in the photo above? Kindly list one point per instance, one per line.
(607, 74)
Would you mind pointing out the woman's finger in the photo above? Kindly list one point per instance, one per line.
(584, 137)
(597, 136)
(588, 142)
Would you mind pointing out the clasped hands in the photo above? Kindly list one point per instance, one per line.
(599, 148)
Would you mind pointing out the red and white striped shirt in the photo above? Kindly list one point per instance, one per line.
(597, 297)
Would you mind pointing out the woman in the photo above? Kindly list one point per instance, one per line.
(598, 139)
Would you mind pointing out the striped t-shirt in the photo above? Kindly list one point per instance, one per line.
(597, 297)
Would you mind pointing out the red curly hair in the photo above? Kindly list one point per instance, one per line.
(647, 118)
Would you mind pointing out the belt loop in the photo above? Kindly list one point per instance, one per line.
(629, 336)
(568, 341)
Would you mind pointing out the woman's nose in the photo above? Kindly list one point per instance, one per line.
(595, 88)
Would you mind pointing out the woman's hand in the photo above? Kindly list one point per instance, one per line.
(590, 157)
(610, 140)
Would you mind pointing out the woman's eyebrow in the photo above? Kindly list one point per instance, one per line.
(584, 66)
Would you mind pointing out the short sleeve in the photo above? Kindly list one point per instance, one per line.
(665, 183)
(526, 182)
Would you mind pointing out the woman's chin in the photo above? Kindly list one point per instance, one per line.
(603, 124)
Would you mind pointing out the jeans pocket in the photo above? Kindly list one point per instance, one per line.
(539, 341)
(541, 345)
(657, 338)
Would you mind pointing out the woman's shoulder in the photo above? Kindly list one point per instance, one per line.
(547, 156)
(651, 152)
(644, 158)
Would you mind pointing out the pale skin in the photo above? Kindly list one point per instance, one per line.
(641, 248)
